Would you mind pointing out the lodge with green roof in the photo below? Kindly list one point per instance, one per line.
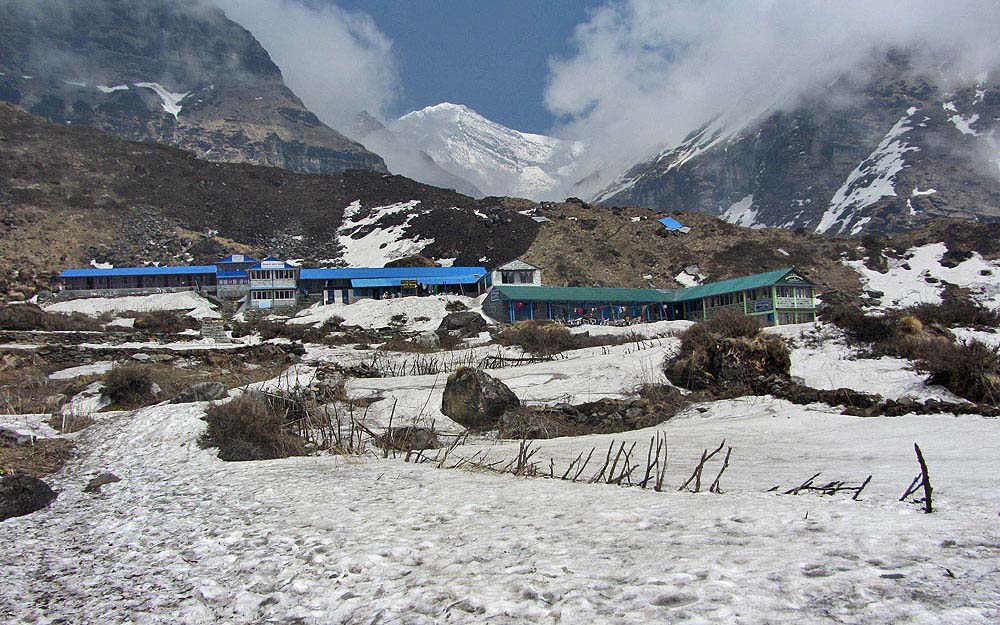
(778, 297)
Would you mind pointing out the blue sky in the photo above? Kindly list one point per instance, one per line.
(491, 55)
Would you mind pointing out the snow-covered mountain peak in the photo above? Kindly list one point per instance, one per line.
(497, 159)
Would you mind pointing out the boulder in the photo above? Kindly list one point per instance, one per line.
(22, 494)
(464, 323)
(203, 391)
(427, 339)
(474, 399)
(99, 480)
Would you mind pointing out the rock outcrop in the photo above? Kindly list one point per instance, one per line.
(22, 494)
(474, 399)
(177, 72)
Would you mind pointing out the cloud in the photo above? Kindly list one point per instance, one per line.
(338, 62)
(644, 73)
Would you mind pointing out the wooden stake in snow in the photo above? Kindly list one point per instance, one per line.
(928, 506)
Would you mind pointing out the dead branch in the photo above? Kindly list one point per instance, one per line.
(715, 488)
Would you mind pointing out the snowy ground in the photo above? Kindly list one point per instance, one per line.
(196, 305)
(187, 538)
(378, 313)
(905, 284)
(822, 359)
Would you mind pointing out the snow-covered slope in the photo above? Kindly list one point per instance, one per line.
(897, 153)
(495, 158)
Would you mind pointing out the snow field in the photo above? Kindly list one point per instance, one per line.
(378, 313)
(196, 305)
(907, 286)
(187, 538)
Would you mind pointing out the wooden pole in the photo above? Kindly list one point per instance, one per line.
(928, 506)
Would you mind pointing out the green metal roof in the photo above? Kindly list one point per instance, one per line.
(583, 294)
(595, 294)
(732, 285)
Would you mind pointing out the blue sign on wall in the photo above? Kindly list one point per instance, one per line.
(762, 305)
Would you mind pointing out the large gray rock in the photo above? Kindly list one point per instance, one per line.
(23, 494)
(465, 323)
(203, 391)
(476, 400)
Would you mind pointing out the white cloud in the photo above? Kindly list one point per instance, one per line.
(338, 62)
(646, 72)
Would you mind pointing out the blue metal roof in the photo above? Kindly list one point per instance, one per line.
(362, 283)
(184, 270)
(405, 273)
(466, 279)
(671, 224)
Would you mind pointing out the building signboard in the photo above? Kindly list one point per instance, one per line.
(272, 264)
(762, 305)
(408, 284)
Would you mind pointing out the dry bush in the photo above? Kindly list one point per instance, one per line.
(529, 422)
(408, 438)
(724, 354)
(70, 423)
(537, 337)
(543, 337)
(129, 386)
(39, 459)
(249, 428)
(956, 311)
(165, 322)
(30, 317)
(455, 306)
(970, 370)
(858, 326)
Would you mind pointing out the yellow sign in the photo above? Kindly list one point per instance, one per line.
(408, 284)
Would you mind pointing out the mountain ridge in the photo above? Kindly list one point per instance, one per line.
(177, 72)
(897, 154)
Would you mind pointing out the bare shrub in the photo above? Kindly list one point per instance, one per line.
(726, 354)
(248, 428)
(537, 337)
(408, 438)
(542, 337)
(24, 317)
(970, 370)
(956, 311)
(165, 322)
(858, 326)
(455, 306)
(128, 386)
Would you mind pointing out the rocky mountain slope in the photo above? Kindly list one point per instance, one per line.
(168, 71)
(71, 195)
(886, 152)
(496, 159)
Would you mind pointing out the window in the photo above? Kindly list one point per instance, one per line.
(284, 294)
(261, 295)
(517, 277)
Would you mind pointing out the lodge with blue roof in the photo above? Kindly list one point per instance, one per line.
(515, 290)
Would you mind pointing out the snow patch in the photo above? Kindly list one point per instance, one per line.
(873, 179)
(170, 101)
(742, 213)
(367, 245)
(196, 305)
(107, 89)
(905, 284)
